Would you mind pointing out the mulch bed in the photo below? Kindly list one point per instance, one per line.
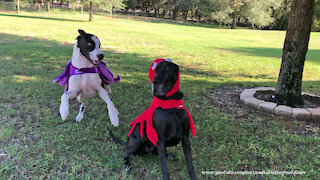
(227, 100)
(308, 101)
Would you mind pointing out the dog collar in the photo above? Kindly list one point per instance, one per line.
(152, 68)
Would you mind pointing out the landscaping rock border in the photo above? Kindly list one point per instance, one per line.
(247, 97)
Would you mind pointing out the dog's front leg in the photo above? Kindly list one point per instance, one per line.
(64, 106)
(112, 111)
(163, 159)
(81, 110)
(187, 154)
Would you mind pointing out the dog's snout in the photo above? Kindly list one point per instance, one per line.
(100, 56)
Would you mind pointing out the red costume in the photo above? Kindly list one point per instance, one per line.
(147, 115)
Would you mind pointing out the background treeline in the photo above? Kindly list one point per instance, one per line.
(262, 14)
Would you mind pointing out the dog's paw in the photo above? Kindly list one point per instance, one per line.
(64, 112)
(113, 115)
(114, 121)
(127, 167)
(79, 117)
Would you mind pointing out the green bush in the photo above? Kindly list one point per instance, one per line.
(316, 26)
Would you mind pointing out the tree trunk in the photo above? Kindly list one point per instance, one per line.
(164, 13)
(234, 22)
(81, 9)
(175, 13)
(185, 15)
(91, 12)
(155, 13)
(252, 25)
(111, 9)
(39, 6)
(18, 6)
(284, 15)
(48, 3)
(62, 4)
(288, 89)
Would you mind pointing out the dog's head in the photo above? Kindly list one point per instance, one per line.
(166, 79)
(89, 46)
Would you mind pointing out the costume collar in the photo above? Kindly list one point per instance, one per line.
(77, 71)
(104, 72)
(147, 117)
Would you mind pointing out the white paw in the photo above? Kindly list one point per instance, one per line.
(113, 114)
(79, 117)
(64, 112)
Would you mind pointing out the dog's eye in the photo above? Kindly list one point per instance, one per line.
(89, 44)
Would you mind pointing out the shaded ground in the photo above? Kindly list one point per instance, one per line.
(308, 101)
(228, 101)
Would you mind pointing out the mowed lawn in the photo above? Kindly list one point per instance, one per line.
(35, 143)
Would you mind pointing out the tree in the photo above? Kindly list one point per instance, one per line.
(282, 13)
(316, 24)
(48, 4)
(107, 5)
(260, 12)
(205, 8)
(18, 6)
(231, 10)
(288, 89)
(91, 11)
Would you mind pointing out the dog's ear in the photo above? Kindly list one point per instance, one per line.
(82, 32)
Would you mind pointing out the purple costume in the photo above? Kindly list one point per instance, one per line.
(104, 72)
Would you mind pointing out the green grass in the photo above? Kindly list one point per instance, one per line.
(34, 49)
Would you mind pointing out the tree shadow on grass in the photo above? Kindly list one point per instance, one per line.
(39, 61)
(313, 55)
(41, 17)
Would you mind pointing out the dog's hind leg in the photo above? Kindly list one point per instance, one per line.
(64, 106)
(187, 154)
(81, 110)
(161, 148)
(112, 111)
(133, 145)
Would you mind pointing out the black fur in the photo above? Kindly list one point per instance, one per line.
(87, 45)
(171, 125)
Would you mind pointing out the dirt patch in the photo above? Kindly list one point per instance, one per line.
(308, 101)
(227, 100)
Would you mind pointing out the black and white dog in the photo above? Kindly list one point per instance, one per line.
(172, 125)
(82, 79)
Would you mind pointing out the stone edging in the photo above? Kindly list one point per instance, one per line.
(247, 97)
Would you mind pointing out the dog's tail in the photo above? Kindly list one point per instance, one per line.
(115, 139)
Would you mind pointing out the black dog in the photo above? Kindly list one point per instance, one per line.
(171, 125)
